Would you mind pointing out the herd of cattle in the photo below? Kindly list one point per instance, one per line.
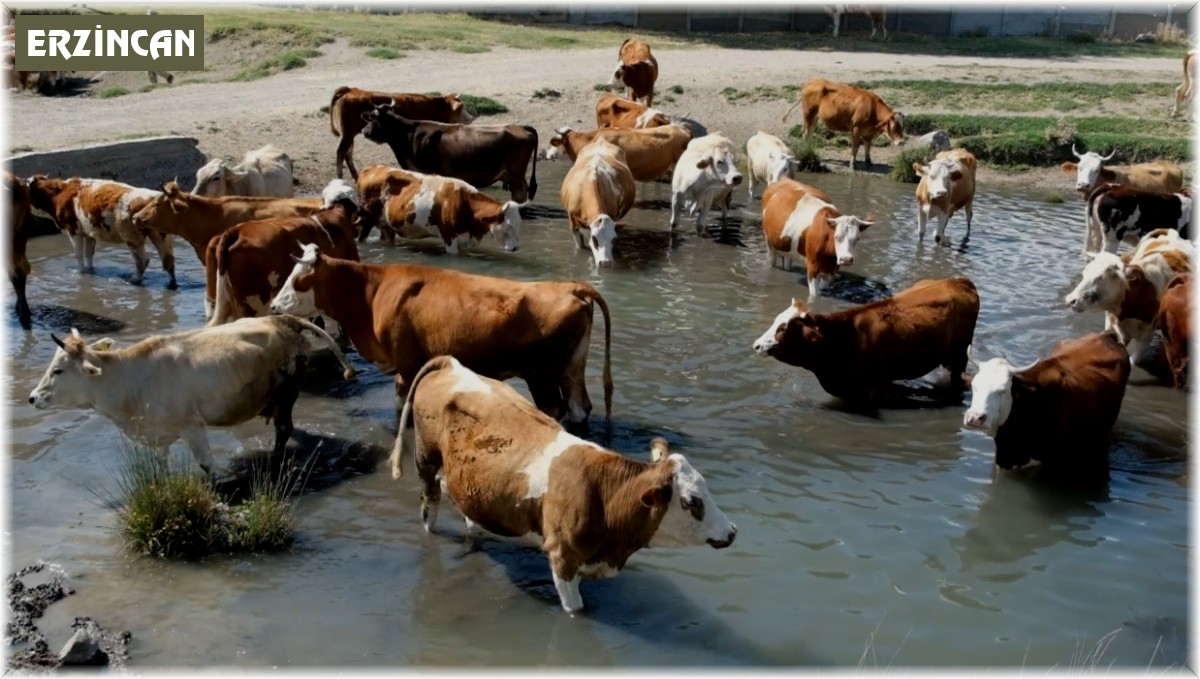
(273, 260)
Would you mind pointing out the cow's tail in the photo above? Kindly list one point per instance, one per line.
(791, 108)
(533, 172)
(397, 459)
(592, 295)
(225, 297)
(335, 110)
(305, 324)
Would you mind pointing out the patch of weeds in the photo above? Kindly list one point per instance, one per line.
(808, 159)
(1080, 38)
(676, 89)
(902, 167)
(603, 87)
(1065, 105)
(1063, 132)
(667, 99)
(547, 93)
(285, 62)
(1170, 34)
(470, 49)
(21, 149)
(384, 53)
(113, 92)
(1053, 196)
(482, 106)
(760, 93)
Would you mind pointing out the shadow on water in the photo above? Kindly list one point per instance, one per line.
(626, 436)
(309, 463)
(536, 212)
(62, 319)
(637, 249)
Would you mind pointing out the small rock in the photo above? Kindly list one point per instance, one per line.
(82, 649)
(1145, 37)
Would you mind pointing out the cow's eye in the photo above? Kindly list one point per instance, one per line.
(57, 371)
(694, 505)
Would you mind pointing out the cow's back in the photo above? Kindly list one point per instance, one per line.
(779, 200)
(918, 328)
(1079, 388)
(649, 152)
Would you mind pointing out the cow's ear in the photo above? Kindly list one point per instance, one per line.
(1022, 386)
(369, 116)
(1070, 168)
(1107, 175)
(89, 369)
(178, 205)
(659, 449)
(658, 495)
(704, 162)
(956, 175)
(919, 169)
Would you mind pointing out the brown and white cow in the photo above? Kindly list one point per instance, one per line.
(1058, 410)
(169, 387)
(637, 69)
(597, 191)
(1090, 173)
(1116, 212)
(650, 153)
(876, 13)
(480, 155)
(1174, 320)
(857, 353)
(265, 171)
(615, 111)
(424, 205)
(16, 261)
(348, 105)
(704, 176)
(768, 160)
(1185, 91)
(247, 264)
(947, 185)
(398, 316)
(800, 221)
(88, 210)
(513, 471)
(1129, 293)
(848, 109)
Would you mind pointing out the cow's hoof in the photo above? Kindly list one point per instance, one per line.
(172, 285)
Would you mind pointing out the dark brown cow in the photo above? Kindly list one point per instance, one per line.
(1058, 410)
(637, 69)
(514, 471)
(348, 105)
(398, 316)
(1174, 319)
(848, 109)
(18, 264)
(480, 155)
(615, 111)
(248, 263)
(857, 353)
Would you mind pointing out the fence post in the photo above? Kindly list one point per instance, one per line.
(689, 19)
(1112, 22)
(1058, 22)
(741, 19)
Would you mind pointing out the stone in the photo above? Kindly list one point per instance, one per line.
(82, 649)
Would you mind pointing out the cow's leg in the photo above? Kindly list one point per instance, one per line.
(940, 236)
(853, 151)
(79, 242)
(814, 287)
(284, 400)
(566, 577)
(969, 211)
(750, 184)
(580, 235)
(866, 144)
(428, 467)
(345, 155)
(89, 253)
(702, 217)
(166, 253)
(676, 200)
(18, 271)
(138, 248)
(725, 207)
(196, 439)
(922, 220)
(546, 395)
(579, 406)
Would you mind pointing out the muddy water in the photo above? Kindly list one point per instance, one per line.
(876, 540)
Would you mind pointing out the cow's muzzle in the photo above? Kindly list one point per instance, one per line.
(763, 348)
(734, 180)
(974, 420)
(845, 261)
(722, 544)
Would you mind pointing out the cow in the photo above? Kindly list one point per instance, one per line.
(18, 233)
(1184, 93)
(800, 221)
(419, 205)
(616, 111)
(936, 141)
(480, 155)
(768, 160)
(247, 264)
(597, 191)
(1174, 320)
(512, 471)
(704, 176)
(1090, 172)
(1129, 293)
(398, 316)
(857, 353)
(848, 109)
(88, 210)
(349, 104)
(154, 75)
(1058, 410)
(263, 172)
(650, 153)
(371, 182)
(169, 387)
(1115, 212)
(637, 69)
(947, 185)
(876, 13)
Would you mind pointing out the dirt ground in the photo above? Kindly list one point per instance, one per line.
(230, 118)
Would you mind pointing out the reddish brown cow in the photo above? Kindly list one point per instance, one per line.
(848, 109)
(248, 263)
(650, 153)
(398, 316)
(348, 105)
(1186, 89)
(18, 264)
(637, 69)
(616, 111)
(1174, 319)
(856, 354)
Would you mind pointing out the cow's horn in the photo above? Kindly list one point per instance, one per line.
(659, 449)
(1110, 156)
(1075, 152)
(971, 360)
(392, 103)
(57, 341)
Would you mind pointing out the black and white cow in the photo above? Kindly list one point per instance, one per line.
(1115, 212)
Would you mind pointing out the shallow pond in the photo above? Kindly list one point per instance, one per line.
(863, 540)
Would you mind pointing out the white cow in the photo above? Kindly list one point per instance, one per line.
(768, 159)
(263, 172)
(169, 387)
(704, 176)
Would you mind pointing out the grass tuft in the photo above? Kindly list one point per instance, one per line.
(113, 92)
(808, 158)
(902, 167)
(482, 106)
(603, 87)
(1053, 196)
(675, 89)
(285, 62)
(547, 93)
(384, 53)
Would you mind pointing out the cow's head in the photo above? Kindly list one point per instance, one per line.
(42, 192)
(993, 389)
(690, 516)
(651, 117)
(339, 191)
(846, 231)
(298, 296)
(163, 207)
(601, 234)
(213, 179)
(939, 175)
(780, 164)
(893, 127)
(65, 382)
(507, 231)
(559, 144)
(1103, 286)
(794, 337)
(384, 124)
(458, 111)
(1088, 170)
(719, 164)
(618, 75)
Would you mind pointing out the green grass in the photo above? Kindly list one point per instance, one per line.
(761, 93)
(112, 92)
(911, 95)
(603, 87)
(1053, 196)
(547, 93)
(808, 159)
(675, 89)
(902, 166)
(482, 106)
(285, 62)
(384, 53)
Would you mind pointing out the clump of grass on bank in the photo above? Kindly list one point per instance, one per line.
(113, 92)
(808, 157)
(547, 93)
(384, 53)
(169, 512)
(902, 167)
(284, 62)
(761, 93)
(482, 106)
